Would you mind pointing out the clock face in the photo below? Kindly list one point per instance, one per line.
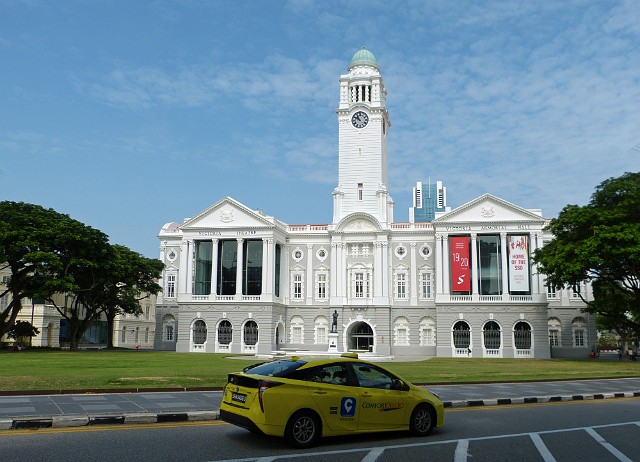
(360, 119)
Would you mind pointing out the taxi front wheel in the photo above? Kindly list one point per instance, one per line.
(423, 419)
(303, 429)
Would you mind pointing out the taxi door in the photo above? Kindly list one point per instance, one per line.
(380, 406)
(334, 398)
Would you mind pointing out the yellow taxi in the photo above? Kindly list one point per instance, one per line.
(303, 400)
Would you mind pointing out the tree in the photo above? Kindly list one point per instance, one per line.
(125, 280)
(46, 252)
(600, 242)
(21, 330)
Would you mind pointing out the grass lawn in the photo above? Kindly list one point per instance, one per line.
(123, 369)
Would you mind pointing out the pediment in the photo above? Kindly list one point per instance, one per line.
(489, 209)
(358, 223)
(227, 213)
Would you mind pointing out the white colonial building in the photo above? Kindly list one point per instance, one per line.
(464, 284)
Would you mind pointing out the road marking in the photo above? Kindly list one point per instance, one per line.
(608, 446)
(462, 451)
(459, 448)
(108, 428)
(542, 448)
(373, 455)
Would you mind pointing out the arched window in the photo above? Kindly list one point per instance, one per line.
(461, 335)
(168, 328)
(321, 325)
(297, 329)
(579, 330)
(555, 332)
(250, 333)
(401, 331)
(225, 332)
(491, 335)
(427, 331)
(522, 335)
(199, 332)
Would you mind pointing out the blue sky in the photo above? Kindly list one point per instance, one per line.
(127, 115)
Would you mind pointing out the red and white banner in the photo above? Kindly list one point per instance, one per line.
(460, 269)
(518, 263)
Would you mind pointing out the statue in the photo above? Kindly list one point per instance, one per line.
(334, 324)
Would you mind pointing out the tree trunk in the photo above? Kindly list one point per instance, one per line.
(110, 323)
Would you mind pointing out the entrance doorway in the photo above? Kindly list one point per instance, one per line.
(361, 337)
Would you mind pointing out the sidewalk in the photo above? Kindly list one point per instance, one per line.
(76, 410)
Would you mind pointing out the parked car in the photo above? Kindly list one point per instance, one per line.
(303, 400)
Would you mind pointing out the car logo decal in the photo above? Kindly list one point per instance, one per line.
(348, 407)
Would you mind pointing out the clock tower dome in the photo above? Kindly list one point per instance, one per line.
(363, 126)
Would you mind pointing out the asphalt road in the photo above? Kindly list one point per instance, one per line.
(588, 431)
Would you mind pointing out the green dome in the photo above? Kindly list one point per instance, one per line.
(363, 56)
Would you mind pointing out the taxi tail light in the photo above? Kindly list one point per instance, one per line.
(264, 386)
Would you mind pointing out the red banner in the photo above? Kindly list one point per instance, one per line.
(460, 269)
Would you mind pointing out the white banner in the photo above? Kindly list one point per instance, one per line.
(518, 263)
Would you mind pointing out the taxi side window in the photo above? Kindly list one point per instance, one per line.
(334, 374)
(371, 377)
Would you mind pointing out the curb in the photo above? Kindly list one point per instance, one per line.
(200, 416)
(87, 420)
(538, 400)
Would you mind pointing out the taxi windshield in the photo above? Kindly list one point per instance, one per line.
(276, 368)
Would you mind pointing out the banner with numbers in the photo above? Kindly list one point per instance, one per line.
(459, 263)
(518, 263)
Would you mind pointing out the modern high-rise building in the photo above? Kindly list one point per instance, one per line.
(428, 200)
(463, 283)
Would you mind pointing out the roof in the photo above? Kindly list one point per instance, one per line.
(363, 57)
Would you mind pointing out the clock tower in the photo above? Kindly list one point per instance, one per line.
(363, 126)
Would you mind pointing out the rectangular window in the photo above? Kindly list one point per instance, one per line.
(252, 268)
(296, 334)
(276, 279)
(551, 291)
(402, 337)
(171, 286)
(427, 336)
(360, 191)
(489, 265)
(322, 286)
(202, 283)
(554, 337)
(321, 335)
(579, 334)
(401, 285)
(146, 312)
(426, 286)
(227, 266)
(359, 285)
(576, 290)
(297, 286)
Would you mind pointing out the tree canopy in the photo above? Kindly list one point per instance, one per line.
(600, 242)
(50, 254)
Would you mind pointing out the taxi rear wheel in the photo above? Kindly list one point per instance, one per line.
(303, 429)
(423, 419)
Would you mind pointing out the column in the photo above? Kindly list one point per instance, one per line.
(474, 266)
(190, 250)
(333, 281)
(414, 285)
(343, 268)
(182, 275)
(385, 269)
(505, 266)
(239, 267)
(268, 265)
(378, 269)
(439, 267)
(535, 275)
(214, 269)
(446, 280)
(310, 276)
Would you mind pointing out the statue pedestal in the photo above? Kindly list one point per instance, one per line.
(333, 342)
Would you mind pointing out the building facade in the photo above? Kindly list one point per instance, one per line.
(463, 284)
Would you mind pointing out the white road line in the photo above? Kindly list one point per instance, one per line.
(542, 448)
(373, 455)
(462, 451)
(608, 446)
